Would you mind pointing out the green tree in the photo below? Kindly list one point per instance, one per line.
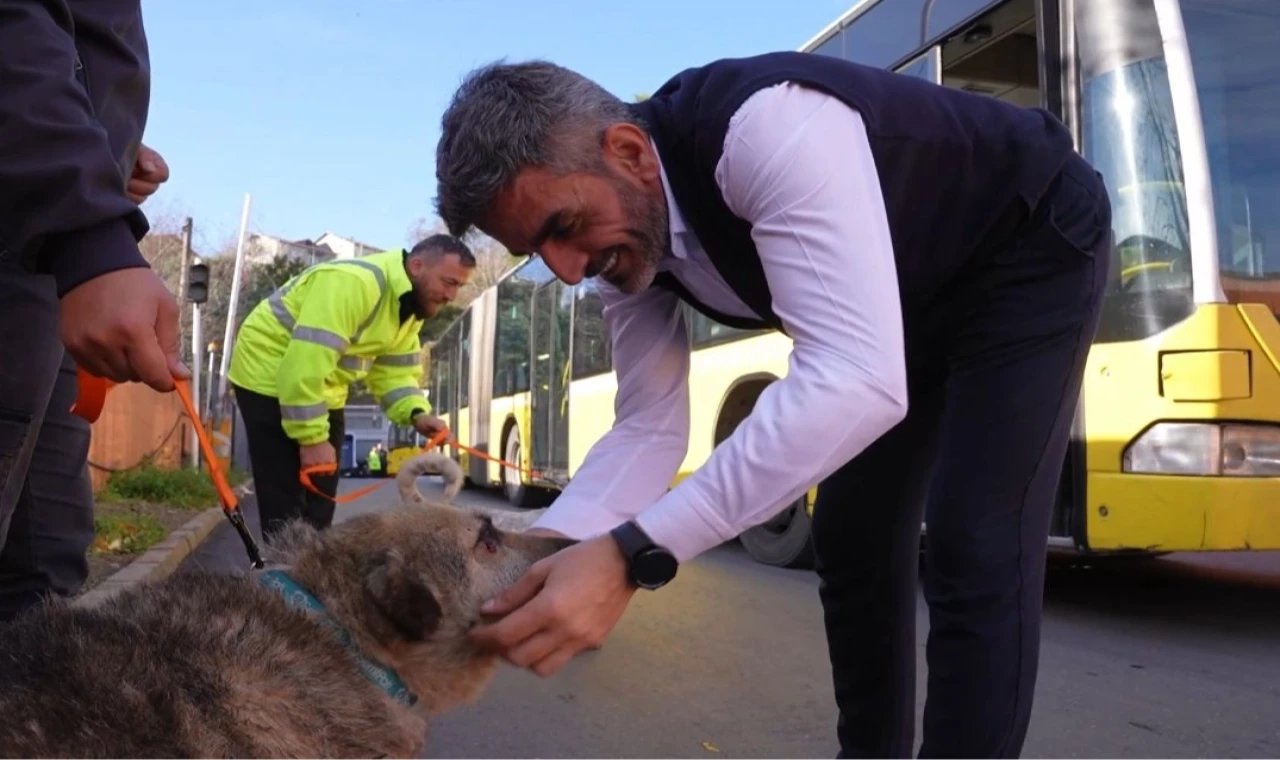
(265, 279)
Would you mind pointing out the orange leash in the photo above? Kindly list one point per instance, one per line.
(442, 437)
(92, 396)
(230, 504)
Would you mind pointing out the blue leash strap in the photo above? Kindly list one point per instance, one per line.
(295, 595)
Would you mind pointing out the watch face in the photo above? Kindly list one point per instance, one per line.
(654, 568)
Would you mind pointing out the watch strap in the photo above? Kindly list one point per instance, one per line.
(631, 539)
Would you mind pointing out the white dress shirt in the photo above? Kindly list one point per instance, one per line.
(796, 164)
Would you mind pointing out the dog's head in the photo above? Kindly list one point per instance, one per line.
(409, 584)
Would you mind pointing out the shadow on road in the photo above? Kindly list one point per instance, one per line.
(1178, 591)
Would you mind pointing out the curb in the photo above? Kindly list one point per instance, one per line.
(161, 559)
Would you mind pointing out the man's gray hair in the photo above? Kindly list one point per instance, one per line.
(508, 117)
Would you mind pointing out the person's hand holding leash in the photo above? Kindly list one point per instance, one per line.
(428, 424)
(123, 325)
(564, 605)
(317, 455)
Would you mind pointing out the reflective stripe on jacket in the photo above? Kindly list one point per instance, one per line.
(329, 326)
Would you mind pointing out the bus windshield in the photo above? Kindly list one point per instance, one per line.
(1235, 54)
(1129, 133)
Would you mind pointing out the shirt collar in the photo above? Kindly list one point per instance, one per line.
(675, 220)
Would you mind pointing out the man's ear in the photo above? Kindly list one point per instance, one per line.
(627, 148)
(402, 598)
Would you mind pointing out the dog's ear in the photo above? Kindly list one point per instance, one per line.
(403, 598)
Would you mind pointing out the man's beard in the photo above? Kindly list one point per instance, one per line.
(651, 233)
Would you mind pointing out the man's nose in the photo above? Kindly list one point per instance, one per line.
(567, 263)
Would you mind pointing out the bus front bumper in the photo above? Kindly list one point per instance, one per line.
(1159, 513)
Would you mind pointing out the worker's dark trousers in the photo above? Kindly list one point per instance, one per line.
(994, 375)
(275, 464)
(46, 501)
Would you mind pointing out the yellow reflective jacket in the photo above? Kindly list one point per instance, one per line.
(329, 326)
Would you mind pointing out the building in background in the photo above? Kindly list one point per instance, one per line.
(262, 249)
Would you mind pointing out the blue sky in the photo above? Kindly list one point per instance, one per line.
(327, 111)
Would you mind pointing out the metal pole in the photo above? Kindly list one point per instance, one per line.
(235, 297)
(208, 408)
(197, 354)
(182, 279)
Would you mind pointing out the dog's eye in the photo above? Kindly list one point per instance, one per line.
(490, 537)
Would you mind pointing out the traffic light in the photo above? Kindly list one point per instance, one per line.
(198, 283)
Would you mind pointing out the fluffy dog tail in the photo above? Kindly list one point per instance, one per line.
(428, 463)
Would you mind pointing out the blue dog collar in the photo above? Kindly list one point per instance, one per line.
(296, 596)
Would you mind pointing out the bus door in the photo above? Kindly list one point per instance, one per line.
(549, 436)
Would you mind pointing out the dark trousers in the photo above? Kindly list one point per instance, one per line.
(46, 501)
(994, 374)
(276, 462)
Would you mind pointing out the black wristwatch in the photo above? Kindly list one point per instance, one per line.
(649, 566)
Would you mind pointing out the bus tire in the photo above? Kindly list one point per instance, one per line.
(786, 540)
(517, 492)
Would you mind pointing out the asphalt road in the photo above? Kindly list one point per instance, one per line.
(1176, 657)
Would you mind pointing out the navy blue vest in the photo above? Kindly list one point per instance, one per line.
(952, 166)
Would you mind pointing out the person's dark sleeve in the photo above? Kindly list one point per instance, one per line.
(62, 195)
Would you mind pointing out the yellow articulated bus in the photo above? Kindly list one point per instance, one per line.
(526, 374)
(1176, 445)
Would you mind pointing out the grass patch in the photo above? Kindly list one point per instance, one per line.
(126, 533)
(184, 487)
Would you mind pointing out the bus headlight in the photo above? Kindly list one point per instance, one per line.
(1201, 448)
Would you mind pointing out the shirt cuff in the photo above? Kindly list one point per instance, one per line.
(74, 258)
(576, 523)
(684, 524)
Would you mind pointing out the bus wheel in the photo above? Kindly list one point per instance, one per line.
(785, 540)
(518, 494)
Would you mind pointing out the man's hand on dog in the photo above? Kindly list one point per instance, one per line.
(565, 604)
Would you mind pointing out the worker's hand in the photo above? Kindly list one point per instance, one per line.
(149, 172)
(318, 454)
(428, 424)
(565, 604)
(123, 325)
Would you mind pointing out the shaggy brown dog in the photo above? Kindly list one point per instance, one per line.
(256, 665)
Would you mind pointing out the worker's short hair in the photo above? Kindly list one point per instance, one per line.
(442, 244)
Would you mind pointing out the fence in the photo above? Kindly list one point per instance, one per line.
(137, 422)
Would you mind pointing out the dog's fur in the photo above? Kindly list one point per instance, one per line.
(215, 665)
